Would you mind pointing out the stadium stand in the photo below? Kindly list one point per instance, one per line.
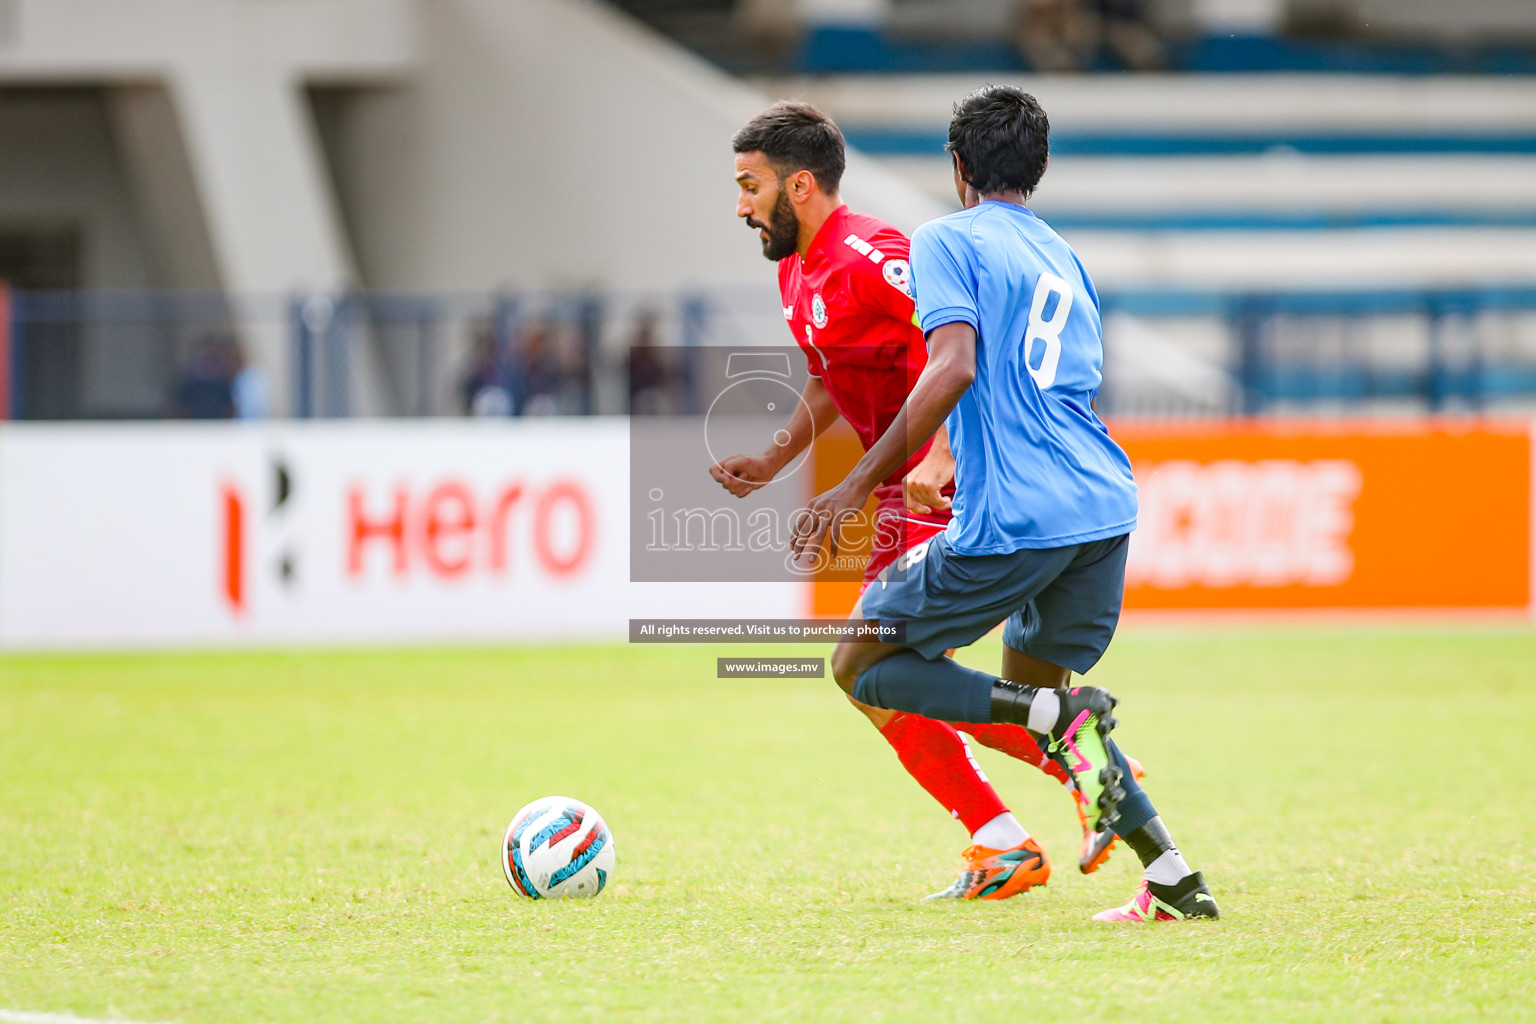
(1325, 204)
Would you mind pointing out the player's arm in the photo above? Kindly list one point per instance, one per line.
(950, 370)
(922, 488)
(743, 474)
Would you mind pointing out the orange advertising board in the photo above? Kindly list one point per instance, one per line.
(1287, 515)
(1313, 515)
(834, 455)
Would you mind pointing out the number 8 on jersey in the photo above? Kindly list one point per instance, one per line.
(1047, 331)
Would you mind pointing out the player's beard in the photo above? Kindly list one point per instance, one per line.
(783, 229)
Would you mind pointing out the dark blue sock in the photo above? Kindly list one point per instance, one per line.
(1136, 809)
(942, 688)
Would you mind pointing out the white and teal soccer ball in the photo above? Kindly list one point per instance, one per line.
(557, 847)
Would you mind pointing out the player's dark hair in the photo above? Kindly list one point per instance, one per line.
(795, 136)
(1003, 138)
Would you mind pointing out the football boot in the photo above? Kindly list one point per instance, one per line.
(1187, 900)
(991, 874)
(1082, 727)
(1097, 845)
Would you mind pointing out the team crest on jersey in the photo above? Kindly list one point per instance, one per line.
(818, 311)
(898, 274)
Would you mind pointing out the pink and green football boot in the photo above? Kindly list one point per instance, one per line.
(1187, 900)
(1097, 845)
(1079, 741)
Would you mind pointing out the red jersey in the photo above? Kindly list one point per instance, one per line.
(849, 305)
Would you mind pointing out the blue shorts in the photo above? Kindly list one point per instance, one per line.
(1061, 604)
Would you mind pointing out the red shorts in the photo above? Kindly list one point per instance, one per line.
(898, 529)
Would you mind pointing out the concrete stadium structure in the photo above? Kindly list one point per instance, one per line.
(263, 149)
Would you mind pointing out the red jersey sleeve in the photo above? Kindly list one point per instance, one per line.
(884, 287)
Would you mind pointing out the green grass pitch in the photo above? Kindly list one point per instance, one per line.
(313, 837)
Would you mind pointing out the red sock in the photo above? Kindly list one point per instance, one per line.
(1015, 741)
(935, 754)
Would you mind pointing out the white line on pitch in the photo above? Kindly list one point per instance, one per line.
(24, 1017)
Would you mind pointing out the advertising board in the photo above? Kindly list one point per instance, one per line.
(1350, 516)
(1297, 515)
(349, 531)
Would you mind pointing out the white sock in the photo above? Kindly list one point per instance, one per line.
(1168, 869)
(1001, 833)
(1044, 709)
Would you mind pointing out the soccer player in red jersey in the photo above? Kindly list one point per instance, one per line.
(843, 279)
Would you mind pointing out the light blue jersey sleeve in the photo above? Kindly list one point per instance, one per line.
(948, 293)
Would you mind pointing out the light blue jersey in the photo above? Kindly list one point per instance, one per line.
(1034, 466)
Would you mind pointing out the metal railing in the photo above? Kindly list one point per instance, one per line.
(1412, 350)
(143, 355)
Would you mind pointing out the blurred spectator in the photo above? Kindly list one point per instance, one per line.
(1069, 35)
(772, 25)
(488, 388)
(1057, 35)
(576, 365)
(546, 373)
(650, 378)
(537, 373)
(1132, 34)
(250, 391)
(205, 389)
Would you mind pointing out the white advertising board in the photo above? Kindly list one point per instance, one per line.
(353, 531)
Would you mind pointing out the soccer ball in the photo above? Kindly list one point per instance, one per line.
(556, 847)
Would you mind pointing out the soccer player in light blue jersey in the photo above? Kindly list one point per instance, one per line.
(1044, 501)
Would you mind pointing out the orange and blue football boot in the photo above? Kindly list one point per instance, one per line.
(997, 874)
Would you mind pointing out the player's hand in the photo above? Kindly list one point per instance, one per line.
(743, 474)
(922, 488)
(821, 520)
